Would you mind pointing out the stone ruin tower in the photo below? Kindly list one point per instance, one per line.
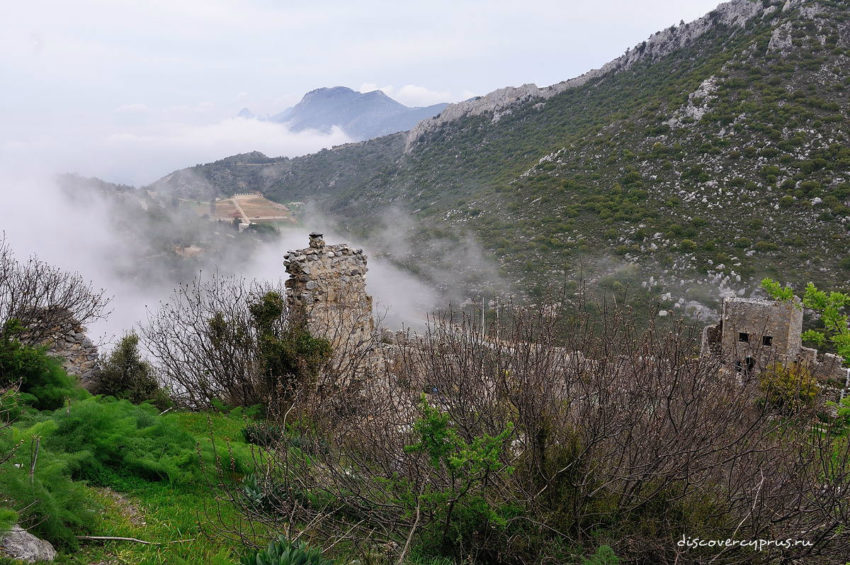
(753, 333)
(326, 289)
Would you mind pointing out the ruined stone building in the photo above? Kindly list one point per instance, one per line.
(327, 290)
(754, 333)
(65, 338)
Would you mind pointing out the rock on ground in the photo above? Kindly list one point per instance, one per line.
(18, 543)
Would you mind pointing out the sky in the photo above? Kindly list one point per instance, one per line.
(130, 90)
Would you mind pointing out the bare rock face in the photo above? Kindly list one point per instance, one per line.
(781, 40)
(734, 14)
(18, 543)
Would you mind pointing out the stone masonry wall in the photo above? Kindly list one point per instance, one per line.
(327, 288)
(764, 331)
(66, 339)
(782, 323)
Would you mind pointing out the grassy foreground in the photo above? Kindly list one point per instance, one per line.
(97, 484)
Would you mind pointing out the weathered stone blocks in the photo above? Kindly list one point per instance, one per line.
(327, 290)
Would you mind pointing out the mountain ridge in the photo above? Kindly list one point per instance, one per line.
(734, 12)
(717, 160)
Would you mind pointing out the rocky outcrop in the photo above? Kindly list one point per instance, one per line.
(698, 103)
(734, 14)
(18, 543)
(780, 40)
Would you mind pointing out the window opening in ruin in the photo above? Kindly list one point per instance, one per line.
(750, 364)
(744, 337)
(767, 340)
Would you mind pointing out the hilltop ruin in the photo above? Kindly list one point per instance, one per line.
(326, 290)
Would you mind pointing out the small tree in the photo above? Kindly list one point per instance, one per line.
(125, 375)
(831, 306)
(455, 495)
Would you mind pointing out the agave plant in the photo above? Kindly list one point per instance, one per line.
(284, 552)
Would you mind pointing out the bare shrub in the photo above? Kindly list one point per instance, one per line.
(204, 342)
(42, 297)
(610, 435)
(224, 339)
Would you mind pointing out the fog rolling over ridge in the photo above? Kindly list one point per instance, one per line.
(128, 244)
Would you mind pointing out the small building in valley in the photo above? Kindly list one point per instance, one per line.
(755, 333)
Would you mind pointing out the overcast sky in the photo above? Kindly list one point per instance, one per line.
(130, 90)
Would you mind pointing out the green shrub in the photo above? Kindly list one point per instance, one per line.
(125, 375)
(788, 388)
(114, 437)
(687, 245)
(49, 503)
(291, 357)
(43, 382)
(786, 201)
(455, 497)
(262, 433)
(765, 246)
(603, 556)
(284, 552)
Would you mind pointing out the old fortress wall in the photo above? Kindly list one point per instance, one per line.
(66, 339)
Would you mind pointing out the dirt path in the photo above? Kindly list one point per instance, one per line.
(241, 211)
(127, 508)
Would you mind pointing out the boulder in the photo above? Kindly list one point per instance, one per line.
(18, 543)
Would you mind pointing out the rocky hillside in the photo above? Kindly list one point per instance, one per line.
(710, 155)
(362, 115)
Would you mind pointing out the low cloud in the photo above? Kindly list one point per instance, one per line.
(415, 95)
(141, 153)
(87, 233)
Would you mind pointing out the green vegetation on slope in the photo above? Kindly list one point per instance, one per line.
(720, 162)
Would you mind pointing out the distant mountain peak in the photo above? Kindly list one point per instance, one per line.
(361, 115)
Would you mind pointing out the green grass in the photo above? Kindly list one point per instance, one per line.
(172, 513)
(110, 468)
(182, 519)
